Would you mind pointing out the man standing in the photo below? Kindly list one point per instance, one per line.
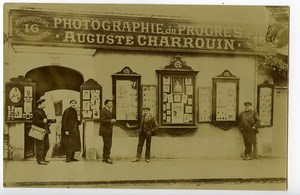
(248, 123)
(40, 120)
(70, 132)
(148, 126)
(106, 127)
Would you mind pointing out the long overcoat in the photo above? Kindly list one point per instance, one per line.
(71, 142)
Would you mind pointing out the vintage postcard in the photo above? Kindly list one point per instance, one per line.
(146, 96)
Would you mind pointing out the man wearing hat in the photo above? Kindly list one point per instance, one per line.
(40, 120)
(147, 128)
(248, 123)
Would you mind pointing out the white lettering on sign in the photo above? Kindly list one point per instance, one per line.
(124, 31)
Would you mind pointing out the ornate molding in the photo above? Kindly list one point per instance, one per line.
(53, 50)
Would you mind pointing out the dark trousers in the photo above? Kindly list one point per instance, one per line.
(107, 142)
(249, 142)
(70, 156)
(42, 148)
(144, 136)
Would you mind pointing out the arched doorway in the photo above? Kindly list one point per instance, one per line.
(58, 85)
(49, 78)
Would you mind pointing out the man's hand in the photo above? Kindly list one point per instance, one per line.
(45, 120)
(113, 121)
(127, 125)
(67, 133)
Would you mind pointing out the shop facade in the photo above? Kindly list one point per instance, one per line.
(195, 77)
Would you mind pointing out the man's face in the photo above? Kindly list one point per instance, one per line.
(73, 104)
(109, 105)
(43, 105)
(145, 112)
(247, 107)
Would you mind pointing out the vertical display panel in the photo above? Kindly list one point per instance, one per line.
(225, 100)
(90, 100)
(265, 97)
(127, 105)
(176, 96)
(205, 104)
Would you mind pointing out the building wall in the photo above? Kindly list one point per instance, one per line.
(208, 141)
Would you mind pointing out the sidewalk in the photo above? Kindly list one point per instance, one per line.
(29, 173)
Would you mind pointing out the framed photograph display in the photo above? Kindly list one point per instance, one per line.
(127, 96)
(176, 99)
(90, 100)
(265, 101)
(20, 100)
(225, 100)
(205, 104)
(149, 98)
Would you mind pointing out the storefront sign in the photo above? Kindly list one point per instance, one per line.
(136, 33)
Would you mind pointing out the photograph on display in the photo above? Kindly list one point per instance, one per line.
(166, 80)
(86, 94)
(177, 113)
(226, 101)
(166, 88)
(86, 105)
(177, 84)
(177, 98)
(188, 80)
(28, 91)
(126, 100)
(168, 96)
(18, 112)
(189, 90)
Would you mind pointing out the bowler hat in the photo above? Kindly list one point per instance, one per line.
(247, 103)
(39, 101)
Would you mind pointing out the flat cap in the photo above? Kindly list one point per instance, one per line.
(39, 101)
(247, 103)
(146, 108)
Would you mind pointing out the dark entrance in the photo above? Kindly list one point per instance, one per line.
(50, 78)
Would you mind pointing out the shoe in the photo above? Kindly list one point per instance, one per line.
(147, 161)
(74, 159)
(42, 163)
(135, 160)
(247, 158)
(68, 161)
(46, 161)
(108, 161)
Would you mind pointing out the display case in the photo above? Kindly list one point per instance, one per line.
(265, 102)
(176, 95)
(127, 97)
(20, 100)
(225, 100)
(149, 94)
(90, 100)
(204, 104)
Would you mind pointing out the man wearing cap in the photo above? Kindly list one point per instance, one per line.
(147, 128)
(40, 120)
(106, 127)
(70, 132)
(248, 123)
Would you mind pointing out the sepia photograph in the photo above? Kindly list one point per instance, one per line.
(146, 96)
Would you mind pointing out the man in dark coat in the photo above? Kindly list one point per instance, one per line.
(248, 123)
(106, 127)
(40, 120)
(70, 132)
(147, 128)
